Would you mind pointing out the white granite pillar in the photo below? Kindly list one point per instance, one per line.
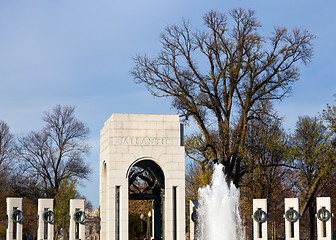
(77, 225)
(193, 219)
(46, 215)
(292, 229)
(15, 215)
(324, 215)
(260, 219)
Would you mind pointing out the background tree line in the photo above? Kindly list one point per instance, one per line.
(225, 78)
(48, 163)
(282, 164)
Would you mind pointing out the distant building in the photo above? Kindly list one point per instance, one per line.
(92, 224)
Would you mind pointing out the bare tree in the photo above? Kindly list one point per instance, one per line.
(218, 76)
(56, 153)
(6, 146)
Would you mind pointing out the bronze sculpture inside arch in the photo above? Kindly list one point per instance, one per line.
(146, 182)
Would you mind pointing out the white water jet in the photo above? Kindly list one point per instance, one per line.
(218, 210)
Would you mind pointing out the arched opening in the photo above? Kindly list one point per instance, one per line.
(146, 191)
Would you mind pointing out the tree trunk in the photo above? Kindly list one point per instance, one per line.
(311, 221)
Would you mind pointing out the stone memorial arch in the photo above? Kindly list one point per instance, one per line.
(146, 148)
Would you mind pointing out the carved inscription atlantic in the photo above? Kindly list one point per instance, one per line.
(145, 141)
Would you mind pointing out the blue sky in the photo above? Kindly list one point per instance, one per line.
(79, 52)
